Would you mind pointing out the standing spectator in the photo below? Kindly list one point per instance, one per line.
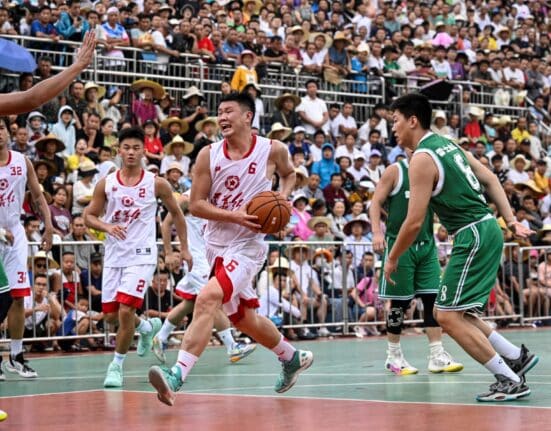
(473, 129)
(43, 27)
(279, 132)
(232, 47)
(65, 129)
(158, 300)
(5, 26)
(36, 126)
(185, 41)
(70, 281)
(143, 107)
(193, 111)
(115, 36)
(78, 233)
(313, 110)
(76, 101)
(71, 25)
(254, 90)
(245, 73)
(61, 217)
(84, 188)
(344, 124)
(161, 39)
(285, 113)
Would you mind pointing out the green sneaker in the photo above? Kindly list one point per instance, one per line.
(145, 340)
(302, 360)
(113, 379)
(166, 382)
(159, 348)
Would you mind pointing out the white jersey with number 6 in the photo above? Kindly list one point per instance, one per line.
(134, 207)
(235, 183)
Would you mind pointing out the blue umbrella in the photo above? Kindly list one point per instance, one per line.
(15, 58)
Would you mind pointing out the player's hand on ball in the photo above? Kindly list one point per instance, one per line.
(390, 267)
(241, 218)
(379, 243)
(186, 257)
(117, 231)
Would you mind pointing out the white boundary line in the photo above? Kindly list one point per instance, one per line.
(51, 393)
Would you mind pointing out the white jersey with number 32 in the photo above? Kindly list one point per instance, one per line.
(134, 207)
(13, 179)
(234, 184)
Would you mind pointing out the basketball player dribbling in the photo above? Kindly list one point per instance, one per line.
(17, 173)
(228, 174)
(189, 287)
(128, 200)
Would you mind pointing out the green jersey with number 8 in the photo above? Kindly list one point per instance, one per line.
(458, 197)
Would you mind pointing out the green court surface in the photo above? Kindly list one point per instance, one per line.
(347, 369)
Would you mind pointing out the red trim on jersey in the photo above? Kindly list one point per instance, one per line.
(110, 307)
(249, 303)
(119, 179)
(9, 158)
(131, 301)
(185, 295)
(223, 279)
(20, 293)
(247, 154)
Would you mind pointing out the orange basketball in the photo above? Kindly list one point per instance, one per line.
(272, 211)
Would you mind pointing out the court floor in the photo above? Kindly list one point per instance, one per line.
(346, 388)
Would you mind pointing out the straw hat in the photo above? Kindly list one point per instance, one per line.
(503, 29)
(280, 263)
(257, 3)
(184, 126)
(158, 89)
(521, 157)
(502, 120)
(279, 101)
(296, 28)
(299, 246)
(212, 120)
(531, 184)
(339, 35)
(49, 165)
(544, 230)
(362, 219)
(363, 47)
(178, 140)
(476, 111)
(41, 254)
(192, 91)
(175, 166)
(328, 40)
(440, 114)
(50, 137)
(87, 168)
(89, 85)
(278, 127)
(301, 177)
(319, 220)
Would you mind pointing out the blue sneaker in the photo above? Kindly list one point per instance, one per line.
(301, 360)
(113, 379)
(159, 348)
(241, 351)
(146, 340)
(166, 382)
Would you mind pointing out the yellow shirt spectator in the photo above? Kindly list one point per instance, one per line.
(520, 135)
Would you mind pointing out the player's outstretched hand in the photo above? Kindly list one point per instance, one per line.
(390, 267)
(86, 51)
(187, 258)
(379, 243)
(46, 240)
(520, 230)
(118, 231)
(241, 217)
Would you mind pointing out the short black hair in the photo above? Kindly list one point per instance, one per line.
(311, 81)
(497, 158)
(243, 99)
(373, 131)
(28, 220)
(134, 132)
(68, 253)
(414, 104)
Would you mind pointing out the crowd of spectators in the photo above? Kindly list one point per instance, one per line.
(502, 49)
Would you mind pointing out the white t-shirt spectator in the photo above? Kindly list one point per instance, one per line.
(167, 160)
(358, 174)
(314, 109)
(39, 316)
(161, 65)
(343, 151)
(442, 69)
(305, 276)
(516, 75)
(406, 65)
(349, 123)
(81, 190)
(517, 177)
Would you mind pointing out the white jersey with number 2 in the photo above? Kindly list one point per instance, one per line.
(134, 207)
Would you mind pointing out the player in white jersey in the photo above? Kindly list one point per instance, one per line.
(190, 286)
(228, 174)
(127, 198)
(16, 173)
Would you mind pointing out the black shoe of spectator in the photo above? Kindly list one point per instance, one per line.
(306, 334)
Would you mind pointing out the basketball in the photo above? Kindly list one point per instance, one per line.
(272, 211)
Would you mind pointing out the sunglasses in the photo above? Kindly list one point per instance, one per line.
(40, 265)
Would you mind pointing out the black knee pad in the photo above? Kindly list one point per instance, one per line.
(5, 304)
(428, 306)
(395, 317)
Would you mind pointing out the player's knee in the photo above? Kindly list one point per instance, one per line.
(111, 317)
(448, 320)
(17, 304)
(126, 313)
(208, 301)
(395, 316)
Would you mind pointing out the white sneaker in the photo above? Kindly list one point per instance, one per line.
(19, 365)
(324, 332)
(399, 366)
(359, 331)
(443, 362)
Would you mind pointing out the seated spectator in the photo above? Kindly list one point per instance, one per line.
(193, 111)
(91, 281)
(158, 301)
(45, 172)
(279, 132)
(300, 217)
(92, 135)
(36, 127)
(48, 147)
(321, 227)
(21, 143)
(143, 108)
(245, 73)
(92, 95)
(498, 168)
(61, 217)
(84, 187)
(285, 113)
(153, 148)
(208, 132)
(439, 125)
(43, 263)
(174, 175)
(79, 321)
(365, 303)
(326, 166)
(519, 165)
(176, 152)
(520, 133)
(337, 219)
(74, 160)
(171, 127)
(358, 170)
(473, 129)
(42, 311)
(334, 192)
(65, 129)
(374, 167)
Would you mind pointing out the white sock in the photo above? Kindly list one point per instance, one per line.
(144, 327)
(503, 346)
(185, 362)
(436, 348)
(227, 338)
(16, 347)
(284, 350)
(119, 358)
(394, 349)
(165, 331)
(497, 365)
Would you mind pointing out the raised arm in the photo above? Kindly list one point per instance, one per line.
(384, 187)
(24, 101)
(200, 206)
(163, 191)
(40, 200)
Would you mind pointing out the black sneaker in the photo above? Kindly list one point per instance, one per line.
(19, 366)
(505, 390)
(2, 375)
(524, 363)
